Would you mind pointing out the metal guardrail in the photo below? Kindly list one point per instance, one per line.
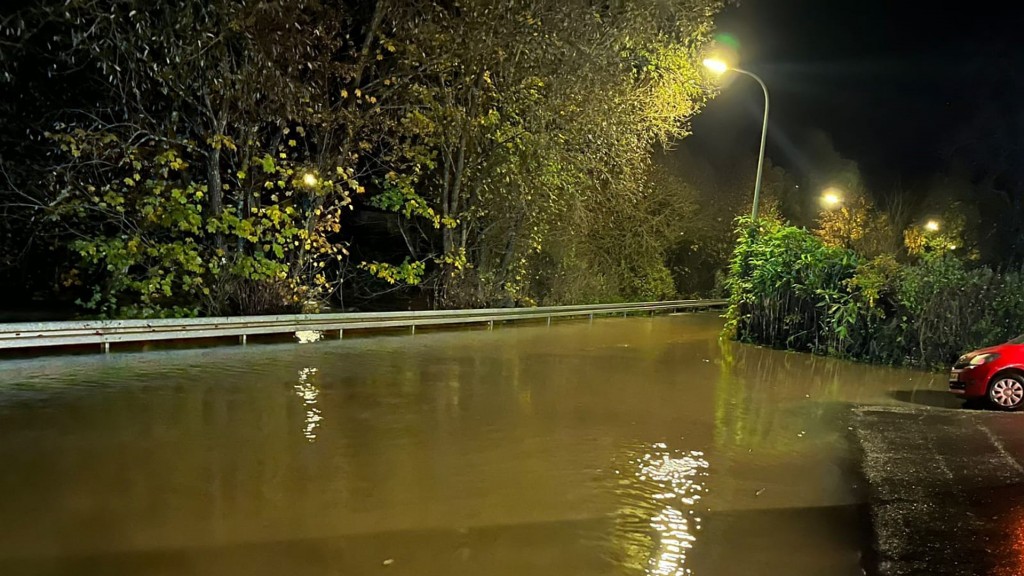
(106, 332)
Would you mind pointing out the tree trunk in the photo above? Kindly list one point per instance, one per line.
(446, 194)
(464, 226)
(214, 183)
(460, 162)
(215, 189)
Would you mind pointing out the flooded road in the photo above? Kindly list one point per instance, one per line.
(626, 446)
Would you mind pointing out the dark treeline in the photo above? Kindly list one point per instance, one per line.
(221, 157)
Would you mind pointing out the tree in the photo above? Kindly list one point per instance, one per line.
(535, 133)
(705, 239)
(984, 154)
(199, 157)
(196, 168)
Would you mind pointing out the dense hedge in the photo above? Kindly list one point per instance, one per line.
(789, 290)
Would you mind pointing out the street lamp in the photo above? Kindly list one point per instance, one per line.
(932, 225)
(715, 65)
(720, 67)
(309, 179)
(831, 198)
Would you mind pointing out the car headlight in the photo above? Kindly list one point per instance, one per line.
(983, 359)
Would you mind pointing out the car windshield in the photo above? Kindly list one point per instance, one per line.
(1018, 340)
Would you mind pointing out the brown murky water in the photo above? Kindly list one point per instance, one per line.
(626, 446)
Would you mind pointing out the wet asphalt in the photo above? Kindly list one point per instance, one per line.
(945, 488)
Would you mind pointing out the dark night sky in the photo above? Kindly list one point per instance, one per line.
(891, 81)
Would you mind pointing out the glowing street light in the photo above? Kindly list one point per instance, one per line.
(719, 66)
(932, 225)
(309, 179)
(715, 65)
(831, 198)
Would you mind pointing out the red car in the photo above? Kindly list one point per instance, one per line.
(995, 374)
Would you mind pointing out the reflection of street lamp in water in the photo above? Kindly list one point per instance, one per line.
(309, 393)
(663, 489)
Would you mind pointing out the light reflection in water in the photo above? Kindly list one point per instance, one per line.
(1009, 560)
(308, 336)
(663, 487)
(308, 391)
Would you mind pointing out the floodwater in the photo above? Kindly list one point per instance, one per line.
(640, 446)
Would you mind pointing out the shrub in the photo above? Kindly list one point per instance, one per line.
(787, 289)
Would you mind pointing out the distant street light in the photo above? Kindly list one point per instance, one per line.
(932, 225)
(309, 179)
(720, 67)
(831, 198)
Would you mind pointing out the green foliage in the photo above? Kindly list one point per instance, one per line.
(537, 168)
(410, 273)
(646, 278)
(186, 173)
(788, 289)
(148, 249)
(199, 157)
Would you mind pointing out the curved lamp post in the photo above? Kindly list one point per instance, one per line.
(720, 67)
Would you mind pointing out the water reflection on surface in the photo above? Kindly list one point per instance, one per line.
(308, 336)
(656, 527)
(450, 453)
(308, 392)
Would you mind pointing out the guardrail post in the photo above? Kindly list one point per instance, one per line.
(106, 347)
(413, 331)
(549, 321)
(242, 340)
(341, 333)
(591, 318)
(490, 324)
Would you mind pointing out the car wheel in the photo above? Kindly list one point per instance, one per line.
(1006, 392)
